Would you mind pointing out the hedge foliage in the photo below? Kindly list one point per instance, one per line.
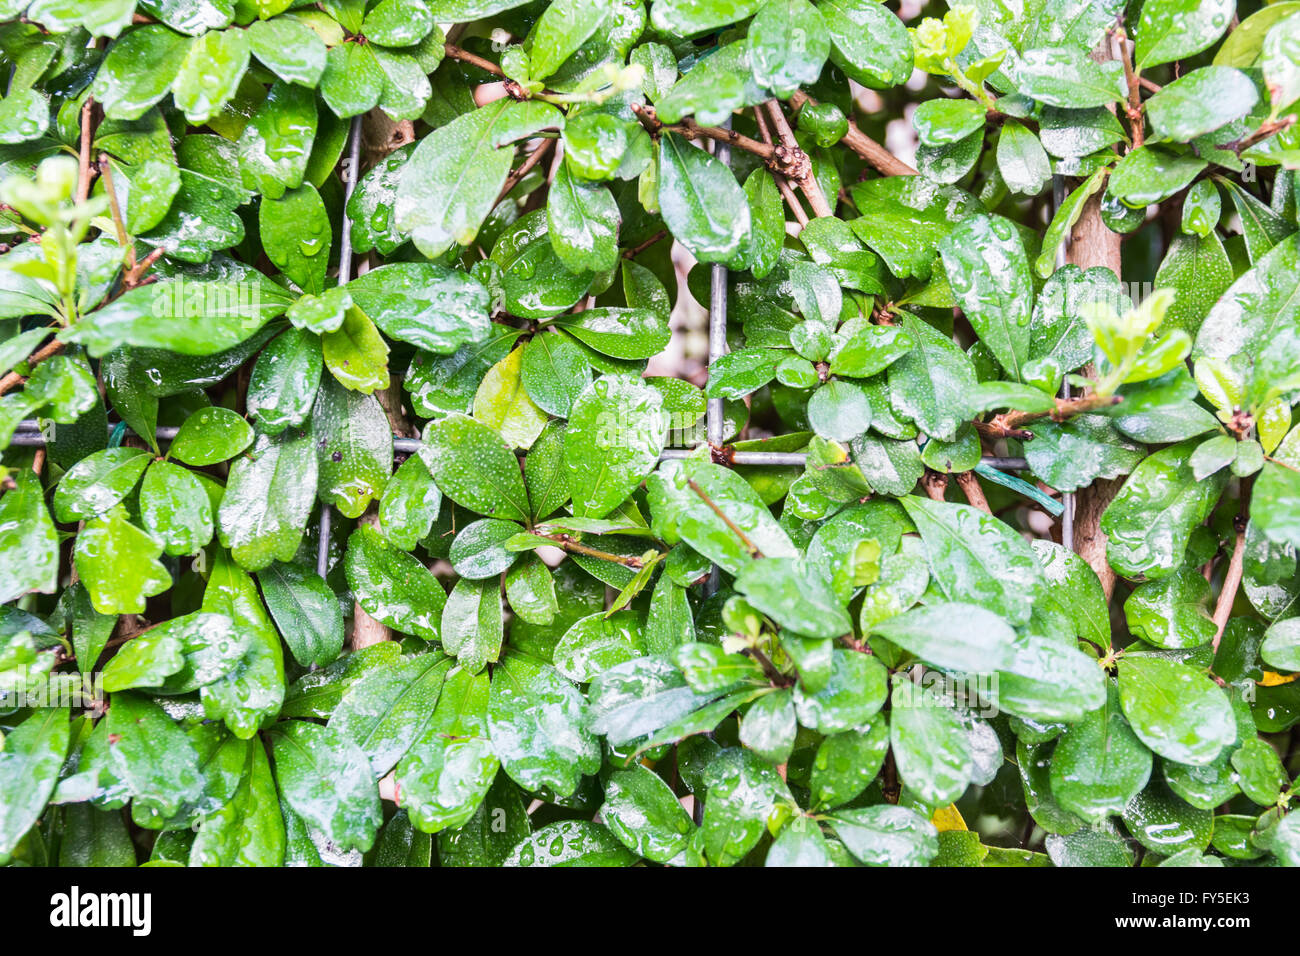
(514, 649)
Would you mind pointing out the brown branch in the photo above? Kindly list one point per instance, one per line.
(83, 156)
(40, 355)
(573, 546)
(782, 183)
(876, 156)
(749, 545)
(970, 487)
(1133, 109)
(1065, 408)
(1231, 582)
(689, 129)
(934, 484)
(516, 177)
(473, 59)
(1265, 130)
(801, 170)
(644, 244)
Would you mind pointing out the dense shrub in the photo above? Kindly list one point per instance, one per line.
(387, 524)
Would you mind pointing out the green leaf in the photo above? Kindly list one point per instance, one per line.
(273, 152)
(788, 45)
(284, 382)
(538, 724)
(29, 768)
(620, 333)
(677, 505)
(989, 275)
(1069, 77)
(325, 779)
(392, 586)
(743, 793)
(153, 757)
(98, 482)
(571, 843)
(175, 508)
(930, 746)
(425, 304)
(248, 830)
(190, 317)
(1175, 29)
(683, 18)
(1149, 522)
(925, 384)
(1172, 612)
(1022, 161)
(354, 447)
(582, 223)
(118, 564)
(446, 772)
(210, 73)
(474, 467)
(356, 354)
(857, 689)
(306, 612)
(1098, 764)
(644, 814)
(1281, 647)
(125, 90)
(387, 709)
(613, 441)
(868, 42)
(410, 505)
(794, 596)
(700, 200)
(976, 559)
(887, 835)
(847, 763)
(268, 499)
(503, 404)
(254, 690)
(554, 372)
(1075, 453)
(595, 643)
(471, 623)
(1075, 591)
(1175, 710)
(451, 181)
(1199, 271)
(29, 544)
(563, 27)
(1201, 102)
(290, 48)
(986, 642)
(209, 436)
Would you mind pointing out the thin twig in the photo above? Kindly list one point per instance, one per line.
(644, 244)
(473, 59)
(782, 183)
(879, 158)
(1231, 581)
(40, 355)
(573, 546)
(744, 539)
(516, 177)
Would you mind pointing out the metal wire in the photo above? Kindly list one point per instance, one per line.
(345, 274)
(1062, 254)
